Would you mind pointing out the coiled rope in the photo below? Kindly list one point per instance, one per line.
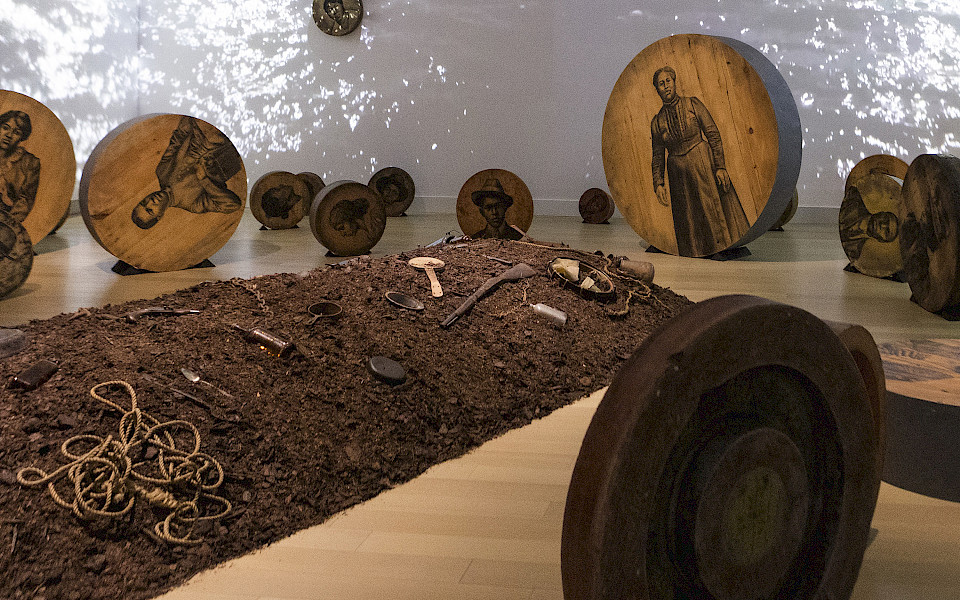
(112, 473)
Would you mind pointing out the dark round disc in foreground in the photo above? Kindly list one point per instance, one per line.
(348, 218)
(396, 187)
(732, 457)
(16, 254)
(485, 187)
(596, 206)
(387, 370)
(278, 199)
(930, 230)
(337, 17)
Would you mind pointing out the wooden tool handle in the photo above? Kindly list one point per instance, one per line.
(435, 288)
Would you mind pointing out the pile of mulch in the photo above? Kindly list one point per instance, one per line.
(304, 436)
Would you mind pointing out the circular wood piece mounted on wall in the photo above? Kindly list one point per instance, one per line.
(396, 187)
(509, 205)
(278, 198)
(38, 167)
(923, 416)
(163, 192)
(596, 206)
(348, 218)
(701, 144)
(16, 254)
(315, 183)
(337, 17)
(930, 230)
(732, 457)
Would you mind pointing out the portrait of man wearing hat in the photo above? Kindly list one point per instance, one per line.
(493, 203)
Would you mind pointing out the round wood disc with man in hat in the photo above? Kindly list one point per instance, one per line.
(494, 203)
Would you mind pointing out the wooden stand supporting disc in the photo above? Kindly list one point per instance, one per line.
(923, 416)
(495, 189)
(38, 167)
(163, 192)
(869, 215)
(732, 457)
(596, 206)
(278, 198)
(930, 231)
(315, 183)
(701, 144)
(348, 218)
(16, 254)
(396, 188)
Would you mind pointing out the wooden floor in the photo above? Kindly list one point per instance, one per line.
(487, 526)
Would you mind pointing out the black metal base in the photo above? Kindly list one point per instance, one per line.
(125, 268)
(898, 276)
(723, 255)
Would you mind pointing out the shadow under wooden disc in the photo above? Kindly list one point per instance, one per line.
(732, 457)
(163, 192)
(16, 254)
(348, 218)
(396, 187)
(278, 199)
(40, 169)
(596, 206)
(725, 105)
(929, 222)
(494, 183)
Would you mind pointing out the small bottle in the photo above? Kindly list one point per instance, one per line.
(268, 341)
(557, 316)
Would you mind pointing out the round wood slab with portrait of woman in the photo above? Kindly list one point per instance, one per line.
(38, 167)
(163, 192)
(494, 203)
(348, 218)
(869, 215)
(396, 187)
(278, 199)
(701, 144)
(16, 254)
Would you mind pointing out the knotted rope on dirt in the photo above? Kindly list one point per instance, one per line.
(107, 475)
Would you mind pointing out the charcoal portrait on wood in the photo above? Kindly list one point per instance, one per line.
(19, 169)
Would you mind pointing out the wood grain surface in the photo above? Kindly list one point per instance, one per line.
(596, 206)
(278, 199)
(348, 218)
(869, 224)
(749, 112)
(50, 145)
(519, 214)
(396, 187)
(925, 369)
(891, 166)
(176, 161)
(16, 254)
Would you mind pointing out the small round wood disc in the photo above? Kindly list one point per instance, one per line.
(37, 171)
(733, 457)
(596, 206)
(348, 218)
(869, 224)
(499, 184)
(396, 188)
(789, 213)
(337, 17)
(16, 254)
(278, 198)
(725, 109)
(930, 230)
(163, 192)
(315, 183)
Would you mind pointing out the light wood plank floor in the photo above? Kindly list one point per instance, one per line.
(487, 526)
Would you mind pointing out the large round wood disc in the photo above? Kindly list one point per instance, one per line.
(348, 218)
(495, 183)
(37, 171)
(732, 457)
(396, 187)
(278, 198)
(729, 108)
(596, 206)
(930, 230)
(337, 17)
(16, 254)
(163, 192)
(923, 416)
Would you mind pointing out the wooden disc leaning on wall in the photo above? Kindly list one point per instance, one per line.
(337, 17)
(929, 224)
(315, 183)
(38, 167)
(596, 206)
(396, 187)
(497, 189)
(732, 457)
(869, 219)
(923, 416)
(348, 218)
(163, 192)
(16, 254)
(722, 101)
(278, 198)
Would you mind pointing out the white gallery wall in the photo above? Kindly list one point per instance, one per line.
(446, 88)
